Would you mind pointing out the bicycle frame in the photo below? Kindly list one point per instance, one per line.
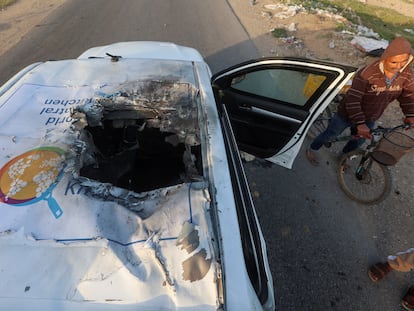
(376, 135)
(361, 168)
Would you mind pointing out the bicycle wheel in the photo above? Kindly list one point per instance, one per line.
(371, 185)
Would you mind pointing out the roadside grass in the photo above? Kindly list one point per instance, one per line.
(386, 22)
(279, 33)
(4, 3)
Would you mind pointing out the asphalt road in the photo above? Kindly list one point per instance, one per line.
(209, 26)
(319, 243)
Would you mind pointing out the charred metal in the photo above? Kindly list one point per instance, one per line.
(141, 136)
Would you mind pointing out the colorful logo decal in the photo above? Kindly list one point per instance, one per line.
(31, 177)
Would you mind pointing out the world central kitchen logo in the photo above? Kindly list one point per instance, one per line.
(58, 111)
(31, 177)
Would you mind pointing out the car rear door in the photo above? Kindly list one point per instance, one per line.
(272, 102)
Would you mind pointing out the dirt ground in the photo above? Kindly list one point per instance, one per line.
(314, 34)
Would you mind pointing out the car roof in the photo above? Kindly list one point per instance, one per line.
(145, 49)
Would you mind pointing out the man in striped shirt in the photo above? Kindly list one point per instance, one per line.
(373, 88)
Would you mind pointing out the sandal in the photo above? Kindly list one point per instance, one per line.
(312, 157)
(378, 271)
(408, 301)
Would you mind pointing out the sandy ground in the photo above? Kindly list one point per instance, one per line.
(403, 7)
(314, 36)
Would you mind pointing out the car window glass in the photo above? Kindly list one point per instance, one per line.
(294, 87)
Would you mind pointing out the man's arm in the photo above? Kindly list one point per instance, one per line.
(407, 102)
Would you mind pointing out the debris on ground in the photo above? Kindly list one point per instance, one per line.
(366, 45)
(293, 30)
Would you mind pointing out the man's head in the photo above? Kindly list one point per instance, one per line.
(397, 55)
(396, 63)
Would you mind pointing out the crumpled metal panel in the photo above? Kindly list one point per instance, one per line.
(167, 105)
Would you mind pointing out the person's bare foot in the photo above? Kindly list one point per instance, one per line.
(312, 157)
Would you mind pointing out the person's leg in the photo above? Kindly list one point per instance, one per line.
(336, 126)
(403, 262)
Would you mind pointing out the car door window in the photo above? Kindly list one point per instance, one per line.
(272, 102)
(278, 84)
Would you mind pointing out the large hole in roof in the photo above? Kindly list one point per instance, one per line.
(143, 136)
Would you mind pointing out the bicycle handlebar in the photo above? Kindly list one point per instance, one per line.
(385, 130)
(375, 132)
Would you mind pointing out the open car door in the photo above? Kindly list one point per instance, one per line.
(272, 102)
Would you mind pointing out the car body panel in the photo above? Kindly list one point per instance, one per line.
(144, 49)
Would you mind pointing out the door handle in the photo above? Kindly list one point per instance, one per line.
(245, 108)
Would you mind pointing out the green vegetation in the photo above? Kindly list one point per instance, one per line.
(279, 33)
(4, 3)
(386, 22)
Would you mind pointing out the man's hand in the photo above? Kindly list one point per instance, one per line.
(410, 122)
(363, 131)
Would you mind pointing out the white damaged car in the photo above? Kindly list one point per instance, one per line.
(121, 184)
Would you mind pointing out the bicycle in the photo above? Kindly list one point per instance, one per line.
(363, 174)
